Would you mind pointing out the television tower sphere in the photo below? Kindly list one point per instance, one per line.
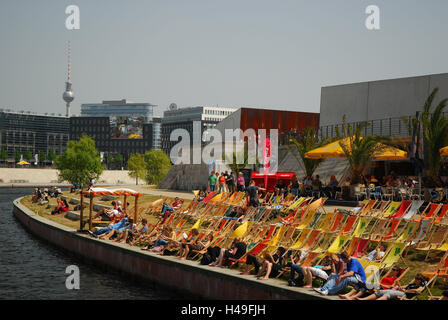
(68, 95)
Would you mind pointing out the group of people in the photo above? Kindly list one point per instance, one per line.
(226, 182)
(43, 195)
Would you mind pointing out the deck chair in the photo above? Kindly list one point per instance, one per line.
(420, 232)
(392, 209)
(358, 247)
(407, 232)
(430, 282)
(413, 209)
(363, 222)
(435, 238)
(393, 254)
(338, 244)
(372, 271)
(325, 223)
(337, 223)
(377, 285)
(430, 212)
(323, 243)
(393, 226)
(368, 206)
(256, 250)
(379, 208)
(311, 241)
(442, 214)
(402, 210)
(208, 197)
(349, 223)
(301, 239)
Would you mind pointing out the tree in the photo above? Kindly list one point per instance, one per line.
(80, 162)
(307, 142)
(118, 159)
(3, 154)
(42, 157)
(27, 155)
(17, 156)
(359, 150)
(157, 164)
(51, 155)
(435, 133)
(137, 167)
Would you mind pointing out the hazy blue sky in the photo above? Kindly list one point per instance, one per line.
(256, 53)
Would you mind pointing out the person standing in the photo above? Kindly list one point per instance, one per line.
(212, 180)
(240, 182)
(222, 183)
(230, 182)
(253, 193)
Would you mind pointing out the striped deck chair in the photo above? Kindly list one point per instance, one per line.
(430, 212)
(413, 209)
(442, 214)
(338, 244)
(402, 210)
(349, 223)
(391, 209)
(393, 254)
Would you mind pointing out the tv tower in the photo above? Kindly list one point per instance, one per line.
(68, 95)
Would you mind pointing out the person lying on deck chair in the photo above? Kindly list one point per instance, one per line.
(166, 209)
(236, 251)
(133, 234)
(109, 228)
(195, 245)
(352, 211)
(385, 284)
(272, 264)
(117, 232)
(377, 254)
(398, 291)
(354, 276)
(107, 214)
(161, 241)
(323, 271)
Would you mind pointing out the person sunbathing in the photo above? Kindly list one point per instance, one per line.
(322, 271)
(166, 209)
(386, 283)
(195, 245)
(236, 251)
(377, 254)
(398, 291)
(162, 240)
(129, 224)
(109, 228)
(272, 264)
(62, 206)
(108, 214)
(133, 234)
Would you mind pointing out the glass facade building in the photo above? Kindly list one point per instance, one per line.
(25, 131)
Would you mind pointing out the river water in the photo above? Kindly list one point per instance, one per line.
(33, 269)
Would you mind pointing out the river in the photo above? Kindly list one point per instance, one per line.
(33, 269)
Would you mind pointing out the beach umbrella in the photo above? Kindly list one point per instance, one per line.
(23, 162)
(334, 150)
(444, 152)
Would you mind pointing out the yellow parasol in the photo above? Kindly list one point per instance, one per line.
(23, 162)
(334, 150)
(444, 152)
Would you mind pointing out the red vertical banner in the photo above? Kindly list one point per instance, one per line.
(266, 159)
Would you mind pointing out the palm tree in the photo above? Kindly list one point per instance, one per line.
(435, 133)
(307, 142)
(360, 150)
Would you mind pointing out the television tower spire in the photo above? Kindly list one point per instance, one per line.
(68, 95)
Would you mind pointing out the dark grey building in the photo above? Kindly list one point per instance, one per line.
(26, 131)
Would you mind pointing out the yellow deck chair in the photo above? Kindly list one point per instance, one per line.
(323, 244)
(393, 254)
(391, 209)
(280, 232)
(444, 246)
(408, 231)
(361, 227)
(364, 262)
(241, 230)
(305, 222)
(327, 222)
(301, 239)
(338, 244)
(372, 271)
(294, 205)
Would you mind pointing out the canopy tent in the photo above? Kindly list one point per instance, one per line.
(23, 162)
(93, 192)
(334, 150)
(444, 152)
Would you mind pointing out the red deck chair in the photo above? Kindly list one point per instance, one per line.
(442, 213)
(393, 226)
(311, 240)
(270, 232)
(402, 210)
(349, 224)
(336, 222)
(255, 251)
(432, 212)
(208, 197)
(360, 248)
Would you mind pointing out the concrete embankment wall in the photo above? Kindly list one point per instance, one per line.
(183, 276)
(50, 176)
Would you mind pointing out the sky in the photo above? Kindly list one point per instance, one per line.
(233, 53)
